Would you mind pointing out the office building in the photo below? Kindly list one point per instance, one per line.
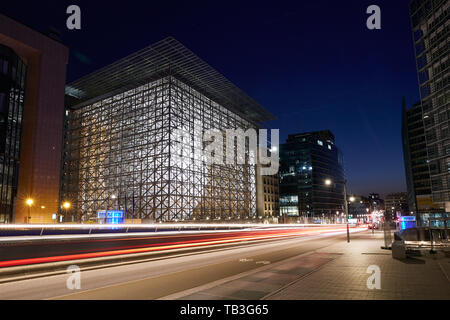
(430, 27)
(418, 180)
(307, 161)
(396, 205)
(32, 76)
(268, 196)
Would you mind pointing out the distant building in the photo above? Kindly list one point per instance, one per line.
(307, 160)
(267, 194)
(396, 204)
(359, 208)
(32, 80)
(375, 202)
(430, 28)
(267, 188)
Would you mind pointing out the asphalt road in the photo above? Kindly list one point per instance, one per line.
(64, 248)
(162, 277)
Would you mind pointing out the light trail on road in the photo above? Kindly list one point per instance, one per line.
(87, 248)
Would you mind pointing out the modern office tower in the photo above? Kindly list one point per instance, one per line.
(123, 130)
(396, 204)
(307, 162)
(430, 26)
(33, 76)
(415, 157)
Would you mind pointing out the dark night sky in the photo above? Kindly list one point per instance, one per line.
(313, 64)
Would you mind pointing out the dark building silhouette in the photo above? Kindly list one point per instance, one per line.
(307, 160)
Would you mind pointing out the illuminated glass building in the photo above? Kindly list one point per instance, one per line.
(120, 138)
(12, 90)
(306, 161)
(430, 26)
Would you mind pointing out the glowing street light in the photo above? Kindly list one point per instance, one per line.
(66, 206)
(29, 202)
(328, 182)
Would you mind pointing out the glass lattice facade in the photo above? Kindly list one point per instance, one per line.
(118, 155)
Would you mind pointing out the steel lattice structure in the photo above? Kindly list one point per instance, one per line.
(118, 154)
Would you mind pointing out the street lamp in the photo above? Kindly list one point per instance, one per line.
(66, 205)
(328, 182)
(29, 202)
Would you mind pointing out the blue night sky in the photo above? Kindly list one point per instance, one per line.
(313, 64)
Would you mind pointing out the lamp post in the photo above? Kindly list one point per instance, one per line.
(328, 182)
(29, 202)
(66, 205)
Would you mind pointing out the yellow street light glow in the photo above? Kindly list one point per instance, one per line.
(42, 207)
(29, 202)
(352, 199)
(66, 205)
(328, 182)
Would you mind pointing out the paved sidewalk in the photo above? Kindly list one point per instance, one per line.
(424, 277)
(339, 272)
